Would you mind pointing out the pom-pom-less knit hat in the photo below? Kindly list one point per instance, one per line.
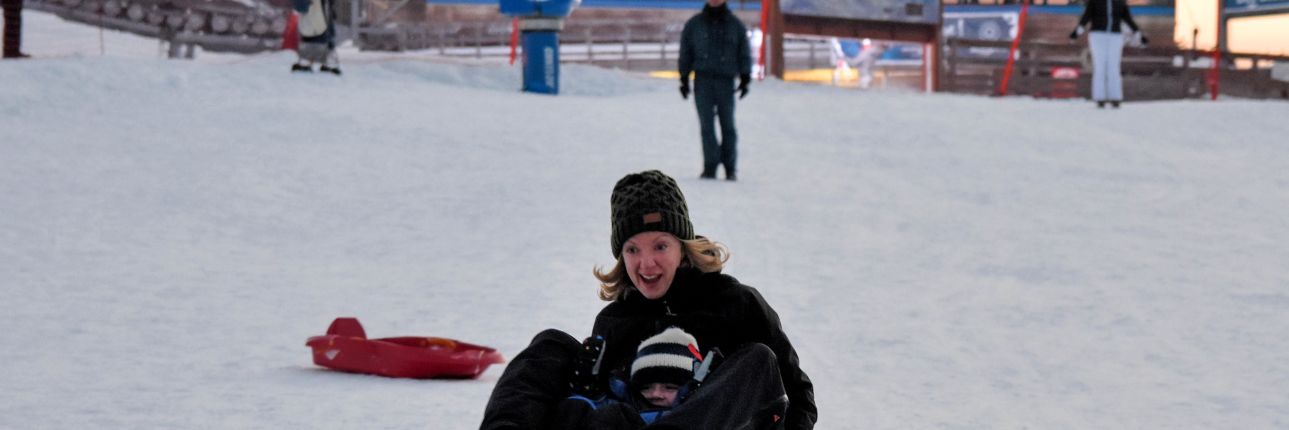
(648, 201)
(668, 357)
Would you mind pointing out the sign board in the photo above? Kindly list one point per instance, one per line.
(995, 25)
(1255, 7)
(905, 11)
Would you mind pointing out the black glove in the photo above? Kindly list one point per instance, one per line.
(742, 85)
(684, 89)
(1074, 35)
(1144, 40)
(587, 381)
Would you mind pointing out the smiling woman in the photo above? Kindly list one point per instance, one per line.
(665, 278)
(653, 237)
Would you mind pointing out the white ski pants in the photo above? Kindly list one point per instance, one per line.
(1107, 51)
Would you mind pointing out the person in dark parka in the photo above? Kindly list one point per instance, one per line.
(1106, 43)
(665, 276)
(13, 29)
(714, 46)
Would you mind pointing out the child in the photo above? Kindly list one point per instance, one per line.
(660, 379)
(661, 372)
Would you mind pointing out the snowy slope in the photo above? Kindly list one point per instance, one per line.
(173, 231)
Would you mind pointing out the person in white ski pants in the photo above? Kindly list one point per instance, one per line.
(1106, 43)
(1107, 78)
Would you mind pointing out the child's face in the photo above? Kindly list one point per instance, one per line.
(660, 394)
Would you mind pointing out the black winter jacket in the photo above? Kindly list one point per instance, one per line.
(720, 312)
(1106, 15)
(714, 42)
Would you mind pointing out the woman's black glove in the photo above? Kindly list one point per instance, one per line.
(743, 80)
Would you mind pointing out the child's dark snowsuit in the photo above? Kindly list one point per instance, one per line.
(744, 392)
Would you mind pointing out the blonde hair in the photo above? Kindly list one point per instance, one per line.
(700, 253)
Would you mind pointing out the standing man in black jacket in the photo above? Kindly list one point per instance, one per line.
(13, 29)
(714, 46)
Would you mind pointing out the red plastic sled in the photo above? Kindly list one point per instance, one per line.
(346, 347)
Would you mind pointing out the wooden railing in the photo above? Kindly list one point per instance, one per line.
(634, 45)
(1043, 69)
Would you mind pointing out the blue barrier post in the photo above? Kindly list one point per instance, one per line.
(539, 24)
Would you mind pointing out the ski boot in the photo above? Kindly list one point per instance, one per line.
(297, 67)
(586, 380)
(329, 69)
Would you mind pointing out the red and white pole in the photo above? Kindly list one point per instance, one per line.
(765, 34)
(1011, 53)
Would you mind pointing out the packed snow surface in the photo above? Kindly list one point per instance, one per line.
(171, 232)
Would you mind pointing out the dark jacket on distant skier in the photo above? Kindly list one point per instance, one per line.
(1107, 15)
(714, 42)
(721, 313)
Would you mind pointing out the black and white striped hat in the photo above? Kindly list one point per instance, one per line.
(668, 357)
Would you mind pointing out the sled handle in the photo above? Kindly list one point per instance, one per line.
(347, 326)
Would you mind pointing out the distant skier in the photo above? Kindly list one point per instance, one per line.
(317, 36)
(1106, 43)
(13, 29)
(847, 53)
(867, 58)
(714, 46)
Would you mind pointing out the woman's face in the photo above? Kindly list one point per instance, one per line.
(660, 394)
(651, 259)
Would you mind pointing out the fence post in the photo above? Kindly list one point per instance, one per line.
(662, 49)
(812, 55)
(443, 40)
(626, 42)
(478, 41)
(953, 65)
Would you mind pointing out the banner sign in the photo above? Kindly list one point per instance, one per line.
(909, 11)
(1255, 7)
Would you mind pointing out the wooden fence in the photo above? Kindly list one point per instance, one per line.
(1044, 69)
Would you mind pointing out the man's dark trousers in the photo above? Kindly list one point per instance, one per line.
(12, 27)
(714, 98)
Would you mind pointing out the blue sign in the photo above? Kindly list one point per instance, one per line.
(539, 24)
(1255, 6)
(541, 62)
(538, 8)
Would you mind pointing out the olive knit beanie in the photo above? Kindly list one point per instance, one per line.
(648, 201)
(668, 357)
